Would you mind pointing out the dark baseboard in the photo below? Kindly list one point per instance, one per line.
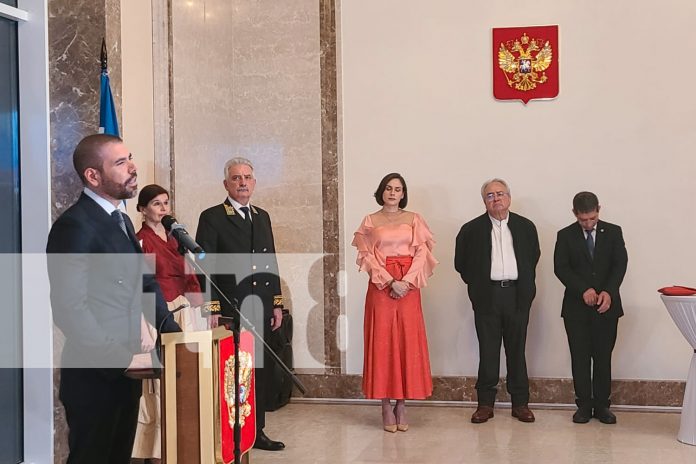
(541, 390)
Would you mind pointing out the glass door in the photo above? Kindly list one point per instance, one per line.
(11, 401)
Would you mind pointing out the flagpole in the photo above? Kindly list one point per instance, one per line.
(104, 57)
(108, 120)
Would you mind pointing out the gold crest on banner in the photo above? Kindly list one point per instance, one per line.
(245, 368)
(524, 62)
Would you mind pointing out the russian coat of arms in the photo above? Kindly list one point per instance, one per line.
(245, 368)
(525, 63)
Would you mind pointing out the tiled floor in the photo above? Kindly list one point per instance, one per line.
(320, 433)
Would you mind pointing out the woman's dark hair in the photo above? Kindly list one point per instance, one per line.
(148, 193)
(383, 185)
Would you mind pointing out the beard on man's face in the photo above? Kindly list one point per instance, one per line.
(121, 191)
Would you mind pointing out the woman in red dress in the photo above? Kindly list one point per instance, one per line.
(179, 287)
(395, 249)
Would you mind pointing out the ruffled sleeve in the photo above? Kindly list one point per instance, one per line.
(421, 249)
(370, 259)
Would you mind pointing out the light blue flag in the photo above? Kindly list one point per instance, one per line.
(108, 123)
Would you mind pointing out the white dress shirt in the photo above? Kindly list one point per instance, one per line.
(104, 203)
(238, 205)
(503, 262)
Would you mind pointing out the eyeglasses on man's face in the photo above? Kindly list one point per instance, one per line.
(493, 195)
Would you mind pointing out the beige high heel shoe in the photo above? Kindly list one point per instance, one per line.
(401, 427)
(386, 412)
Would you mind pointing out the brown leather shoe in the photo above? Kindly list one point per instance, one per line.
(523, 414)
(482, 414)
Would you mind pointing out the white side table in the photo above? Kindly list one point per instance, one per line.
(683, 312)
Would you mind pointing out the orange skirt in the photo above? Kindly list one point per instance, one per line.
(396, 363)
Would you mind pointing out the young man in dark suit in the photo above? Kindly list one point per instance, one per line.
(235, 226)
(97, 284)
(496, 255)
(590, 259)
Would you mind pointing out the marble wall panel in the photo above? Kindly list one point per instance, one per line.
(246, 81)
(75, 32)
(330, 181)
(546, 391)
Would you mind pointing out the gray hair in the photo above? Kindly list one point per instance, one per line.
(237, 160)
(491, 181)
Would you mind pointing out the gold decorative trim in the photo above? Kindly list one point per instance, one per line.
(229, 209)
(210, 307)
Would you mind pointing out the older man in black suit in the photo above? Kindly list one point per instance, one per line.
(590, 259)
(97, 283)
(496, 255)
(236, 226)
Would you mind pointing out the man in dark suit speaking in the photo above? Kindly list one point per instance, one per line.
(590, 259)
(496, 255)
(98, 280)
(235, 226)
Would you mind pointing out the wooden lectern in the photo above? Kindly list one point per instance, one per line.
(198, 397)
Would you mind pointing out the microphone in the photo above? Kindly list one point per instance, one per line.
(179, 233)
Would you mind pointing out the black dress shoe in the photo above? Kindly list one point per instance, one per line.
(604, 415)
(582, 415)
(264, 443)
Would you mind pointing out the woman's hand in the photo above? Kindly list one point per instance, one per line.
(399, 288)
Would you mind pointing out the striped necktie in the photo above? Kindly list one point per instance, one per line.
(589, 241)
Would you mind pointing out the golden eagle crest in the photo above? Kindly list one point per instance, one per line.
(523, 61)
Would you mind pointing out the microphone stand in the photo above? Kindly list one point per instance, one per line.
(235, 326)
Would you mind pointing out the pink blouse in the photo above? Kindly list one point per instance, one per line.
(375, 244)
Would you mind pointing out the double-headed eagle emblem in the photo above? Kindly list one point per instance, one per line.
(246, 364)
(523, 61)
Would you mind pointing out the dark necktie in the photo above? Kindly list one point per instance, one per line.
(247, 215)
(125, 226)
(589, 241)
(118, 217)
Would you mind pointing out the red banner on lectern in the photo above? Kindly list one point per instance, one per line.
(525, 63)
(247, 392)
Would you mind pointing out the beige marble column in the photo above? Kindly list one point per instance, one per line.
(246, 81)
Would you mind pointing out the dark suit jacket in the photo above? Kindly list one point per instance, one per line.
(578, 272)
(222, 230)
(99, 286)
(472, 259)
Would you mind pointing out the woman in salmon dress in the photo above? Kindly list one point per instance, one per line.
(179, 287)
(395, 249)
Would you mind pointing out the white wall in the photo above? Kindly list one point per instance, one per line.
(417, 98)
